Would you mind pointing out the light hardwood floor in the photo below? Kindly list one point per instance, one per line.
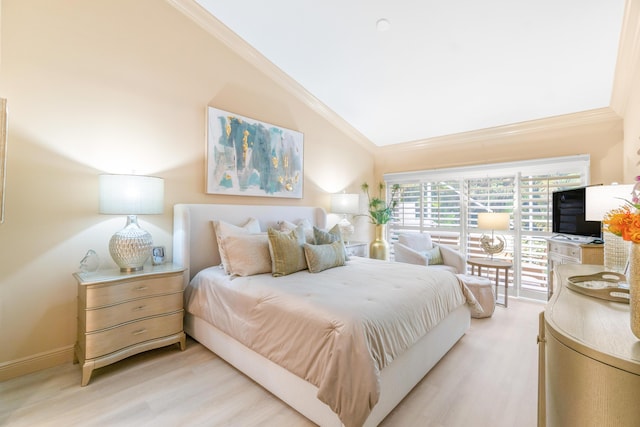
(488, 379)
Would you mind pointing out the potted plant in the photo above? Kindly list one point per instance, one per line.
(380, 213)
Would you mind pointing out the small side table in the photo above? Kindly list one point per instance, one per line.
(498, 265)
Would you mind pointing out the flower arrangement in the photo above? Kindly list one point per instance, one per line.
(625, 221)
(379, 211)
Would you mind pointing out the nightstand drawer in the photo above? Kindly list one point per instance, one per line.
(110, 340)
(108, 294)
(107, 317)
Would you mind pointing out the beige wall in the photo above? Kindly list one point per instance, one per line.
(597, 133)
(632, 130)
(119, 86)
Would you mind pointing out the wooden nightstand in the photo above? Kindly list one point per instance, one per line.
(122, 314)
(357, 249)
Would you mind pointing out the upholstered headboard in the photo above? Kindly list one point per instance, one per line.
(194, 241)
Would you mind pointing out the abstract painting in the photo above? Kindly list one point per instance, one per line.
(247, 157)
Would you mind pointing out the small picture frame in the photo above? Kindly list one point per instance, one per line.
(157, 255)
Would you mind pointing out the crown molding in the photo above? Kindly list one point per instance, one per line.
(215, 27)
(508, 133)
(628, 61)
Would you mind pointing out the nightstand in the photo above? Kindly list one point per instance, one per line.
(122, 314)
(357, 249)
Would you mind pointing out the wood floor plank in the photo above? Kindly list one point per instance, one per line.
(488, 379)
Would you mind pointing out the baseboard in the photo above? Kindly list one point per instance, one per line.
(36, 362)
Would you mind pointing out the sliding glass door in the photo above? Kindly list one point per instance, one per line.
(446, 203)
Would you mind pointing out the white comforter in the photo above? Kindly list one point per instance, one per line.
(336, 329)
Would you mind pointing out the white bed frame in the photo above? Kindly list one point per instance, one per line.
(195, 247)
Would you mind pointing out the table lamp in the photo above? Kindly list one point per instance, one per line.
(344, 203)
(599, 200)
(493, 221)
(131, 195)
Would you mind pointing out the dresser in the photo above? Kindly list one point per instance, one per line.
(589, 360)
(570, 252)
(122, 314)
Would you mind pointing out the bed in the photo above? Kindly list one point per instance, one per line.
(195, 247)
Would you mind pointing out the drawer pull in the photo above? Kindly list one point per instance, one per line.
(139, 308)
(139, 331)
(141, 288)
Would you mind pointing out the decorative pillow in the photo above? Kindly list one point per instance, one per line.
(285, 225)
(323, 257)
(322, 237)
(287, 254)
(434, 257)
(247, 254)
(224, 229)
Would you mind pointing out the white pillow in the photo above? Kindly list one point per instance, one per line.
(224, 229)
(247, 254)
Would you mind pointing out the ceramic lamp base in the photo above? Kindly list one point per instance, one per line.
(131, 247)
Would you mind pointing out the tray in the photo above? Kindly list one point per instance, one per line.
(605, 285)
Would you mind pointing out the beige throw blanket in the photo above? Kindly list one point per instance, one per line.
(336, 329)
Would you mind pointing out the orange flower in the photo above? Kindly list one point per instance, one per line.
(624, 222)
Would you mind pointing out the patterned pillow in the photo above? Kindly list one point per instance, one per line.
(287, 254)
(224, 229)
(248, 254)
(285, 225)
(434, 257)
(323, 257)
(322, 237)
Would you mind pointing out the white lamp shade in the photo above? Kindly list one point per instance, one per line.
(343, 203)
(131, 194)
(600, 199)
(493, 221)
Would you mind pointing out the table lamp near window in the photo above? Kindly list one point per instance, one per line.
(599, 200)
(493, 221)
(345, 204)
(131, 195)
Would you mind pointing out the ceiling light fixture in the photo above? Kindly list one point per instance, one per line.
(383, 24)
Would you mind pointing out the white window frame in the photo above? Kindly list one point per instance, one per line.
(548, 166)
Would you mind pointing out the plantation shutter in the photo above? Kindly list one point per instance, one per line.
(445, 203)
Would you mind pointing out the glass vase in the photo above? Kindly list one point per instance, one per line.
(634, 288)
(616, 252)
(379, 248)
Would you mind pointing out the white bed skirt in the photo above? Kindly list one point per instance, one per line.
(397, 379)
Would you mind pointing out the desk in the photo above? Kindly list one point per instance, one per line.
(498, 265)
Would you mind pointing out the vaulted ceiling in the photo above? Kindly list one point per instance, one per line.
(410, 70)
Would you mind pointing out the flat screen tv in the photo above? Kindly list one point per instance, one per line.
(569, 214)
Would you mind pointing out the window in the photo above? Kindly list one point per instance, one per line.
(446, 203)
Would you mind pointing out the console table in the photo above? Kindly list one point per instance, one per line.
(589, 360)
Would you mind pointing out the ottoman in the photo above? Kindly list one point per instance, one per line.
(482, 289)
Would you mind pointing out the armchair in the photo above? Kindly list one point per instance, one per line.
(414, 248)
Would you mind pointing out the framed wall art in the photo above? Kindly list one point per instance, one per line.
(246, 157)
